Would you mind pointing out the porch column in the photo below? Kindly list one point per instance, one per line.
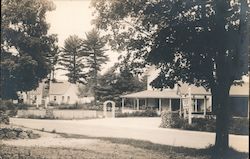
(134, 104)
(159, 104)
(248, 110)
(189, 106)
(137, 104)
(170, 104)
(122, 104)
(205, 105)
(195, 105)
(180, 108)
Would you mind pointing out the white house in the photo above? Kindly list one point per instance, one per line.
(33, 97)
(61, 92)
(174, 99)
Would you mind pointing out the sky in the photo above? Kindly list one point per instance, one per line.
(73, 17)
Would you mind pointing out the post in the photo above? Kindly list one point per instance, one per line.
(195, 105)
(113, 109)
(46, 102)
(205, 105)
(189, 106)
(248, 110)
(134, 104)
(104, 110)
(170, 104)
(159, 104)
(180, 108)
(137, 104)
(122, 105)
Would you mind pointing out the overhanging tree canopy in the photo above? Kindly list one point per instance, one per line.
(198, 42)
(25, 45)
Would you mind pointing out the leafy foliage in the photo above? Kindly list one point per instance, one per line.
(205, 43)
(185, 39)
(25, 45)
(146, 113)
(112, 84)
(238, 126)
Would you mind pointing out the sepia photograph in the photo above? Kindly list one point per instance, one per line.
(124, 79)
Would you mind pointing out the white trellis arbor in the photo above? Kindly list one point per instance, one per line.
(105, 108)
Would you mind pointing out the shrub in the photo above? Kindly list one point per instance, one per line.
(171, 120)
(14, 133)
(53, 131)
(10, 108)
(146, 113)
(4, 119)
(85, 106)
(239, 126)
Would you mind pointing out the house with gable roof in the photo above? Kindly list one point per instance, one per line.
(60, 92)
(174, 99)
(63, 92)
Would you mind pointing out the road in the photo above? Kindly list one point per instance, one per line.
(134, 128)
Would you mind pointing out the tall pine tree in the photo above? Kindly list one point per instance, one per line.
(72, 60)
(94, 51)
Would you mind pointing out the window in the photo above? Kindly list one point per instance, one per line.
(62, 98)
(54, 98)
(68, 98)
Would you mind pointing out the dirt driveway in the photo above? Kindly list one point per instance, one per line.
(135, 128)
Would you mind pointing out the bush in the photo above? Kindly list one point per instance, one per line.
(10, 108)
(239, 126)
(15, 133)
(4, 119)
(85, 106)
(146, 113)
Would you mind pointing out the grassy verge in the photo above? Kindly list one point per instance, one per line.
(170, 151)
(113, 148)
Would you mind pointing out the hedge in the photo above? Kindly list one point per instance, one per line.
(146, 113)
(238, 126)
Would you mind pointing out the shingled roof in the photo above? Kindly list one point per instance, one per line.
(238, 90)
(58, 88)
(153, 94)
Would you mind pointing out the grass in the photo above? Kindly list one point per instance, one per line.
(171, 151)
(113, 148)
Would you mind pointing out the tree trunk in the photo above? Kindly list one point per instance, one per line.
(221, 105)
(95, 77)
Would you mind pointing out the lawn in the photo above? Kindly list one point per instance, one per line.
(111, 148)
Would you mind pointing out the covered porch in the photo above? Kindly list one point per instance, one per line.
(151, 99)
(166, 100)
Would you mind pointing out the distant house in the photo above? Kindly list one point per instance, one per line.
(33, 97)
(61, 92)
(174, 99)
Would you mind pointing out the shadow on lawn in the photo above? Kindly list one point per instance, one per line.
(207, 153)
